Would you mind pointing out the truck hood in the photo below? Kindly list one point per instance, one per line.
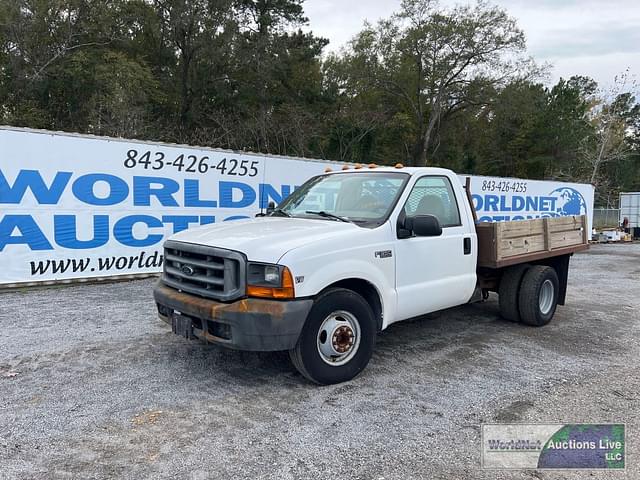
(265, 239)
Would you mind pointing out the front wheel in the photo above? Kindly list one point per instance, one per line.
(337, 339)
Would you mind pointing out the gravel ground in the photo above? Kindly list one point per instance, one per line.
(92, 385)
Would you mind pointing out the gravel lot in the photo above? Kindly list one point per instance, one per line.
(92, 385)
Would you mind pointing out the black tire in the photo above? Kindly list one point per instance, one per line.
(530, 302)
(508, 291)
(306, 355)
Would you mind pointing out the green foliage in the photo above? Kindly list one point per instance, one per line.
(447, 87)
(431, 63)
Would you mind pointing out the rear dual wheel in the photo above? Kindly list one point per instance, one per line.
(508, 292)
(538, 297)
(529, 294)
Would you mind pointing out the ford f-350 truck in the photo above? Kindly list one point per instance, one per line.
(348, 254)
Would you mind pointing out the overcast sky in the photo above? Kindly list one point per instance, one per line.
(598, 38)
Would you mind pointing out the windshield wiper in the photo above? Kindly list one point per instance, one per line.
(279, 211)
(322, 213)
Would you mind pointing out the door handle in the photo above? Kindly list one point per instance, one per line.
(466, 245)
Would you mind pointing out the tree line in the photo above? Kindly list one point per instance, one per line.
(426, 86)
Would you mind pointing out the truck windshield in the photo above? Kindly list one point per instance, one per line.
(365, 198)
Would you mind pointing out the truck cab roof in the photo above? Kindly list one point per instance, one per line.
(410, 170)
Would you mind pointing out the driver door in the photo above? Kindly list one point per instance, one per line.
(433, 273)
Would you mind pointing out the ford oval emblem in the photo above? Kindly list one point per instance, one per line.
(187, 270)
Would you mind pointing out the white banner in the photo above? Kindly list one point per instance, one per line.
(76, 206)
(502, 199)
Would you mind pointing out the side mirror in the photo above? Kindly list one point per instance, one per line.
(271, 207)
(426, 226)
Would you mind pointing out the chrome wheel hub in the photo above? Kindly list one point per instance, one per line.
(338, 338)
(547, 296)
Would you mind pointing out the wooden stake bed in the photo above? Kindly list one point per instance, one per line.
(501, 244)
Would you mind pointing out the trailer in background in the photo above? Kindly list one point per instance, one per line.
(630, 209)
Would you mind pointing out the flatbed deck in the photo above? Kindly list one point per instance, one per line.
(501, 244)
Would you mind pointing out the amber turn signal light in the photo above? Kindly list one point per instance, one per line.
(286, 291)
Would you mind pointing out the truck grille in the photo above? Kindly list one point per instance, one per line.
(206, 271)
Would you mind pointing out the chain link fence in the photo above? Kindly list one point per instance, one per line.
(606, 217)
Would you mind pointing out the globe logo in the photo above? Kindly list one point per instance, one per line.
(570, 201)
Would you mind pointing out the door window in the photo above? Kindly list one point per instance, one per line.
(434, 196)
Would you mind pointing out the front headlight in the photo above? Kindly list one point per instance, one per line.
(269, 281)
(264, 274)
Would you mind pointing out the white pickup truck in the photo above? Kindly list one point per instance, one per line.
(348, 254)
